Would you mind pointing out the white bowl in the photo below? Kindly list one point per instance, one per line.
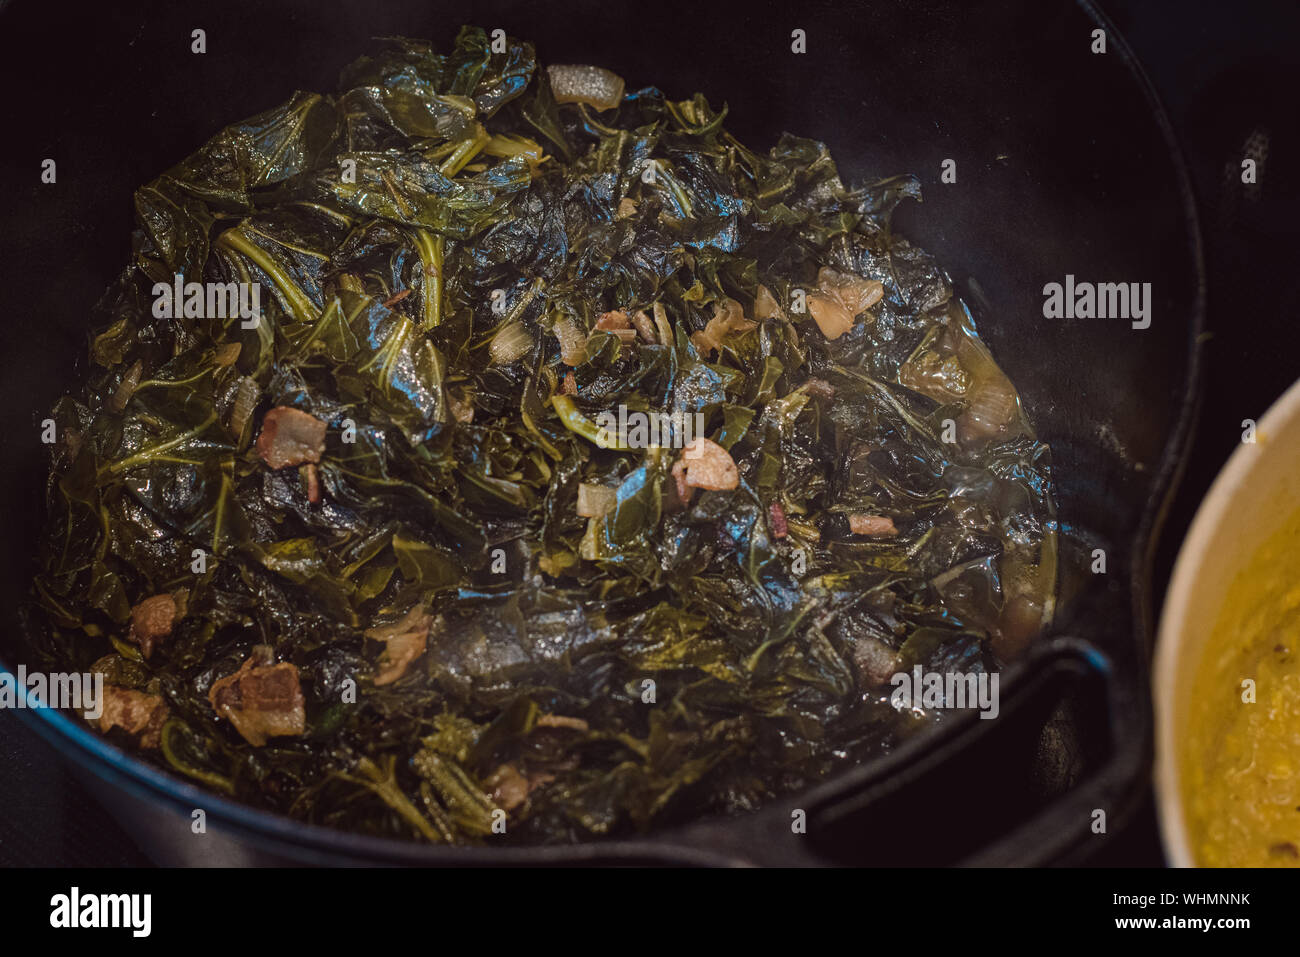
(1260, 483)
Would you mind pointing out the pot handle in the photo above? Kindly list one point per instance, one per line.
(1039, 784)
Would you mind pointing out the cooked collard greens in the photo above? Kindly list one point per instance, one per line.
(487, 438)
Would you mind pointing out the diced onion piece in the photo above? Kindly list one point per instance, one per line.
(573, 344)
(562, 721)
(765, 305)
(940, 377)
(247, 395)
(869, 292)
(595, 500)
(830, 315)
(728, 318)
(662, 324)
(597, 87)
(510, 343)
(854, 293)
(993, 405)
(588, 550)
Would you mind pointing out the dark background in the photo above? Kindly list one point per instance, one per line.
(1227, 73)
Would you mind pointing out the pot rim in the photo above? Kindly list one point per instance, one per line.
(111, 764)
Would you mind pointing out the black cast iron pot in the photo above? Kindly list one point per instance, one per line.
(1065, 164)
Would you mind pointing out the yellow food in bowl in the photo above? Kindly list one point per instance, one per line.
(1241, 752)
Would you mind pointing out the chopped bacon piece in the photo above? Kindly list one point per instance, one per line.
(876, 525)
(709, 466)
(780, 529)
(617, 323)
(261, 700)
(136, 712)
(397, 297)
(290, 437)
(570, 385)
(152, 620)
(313, 484)
(404, 641)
